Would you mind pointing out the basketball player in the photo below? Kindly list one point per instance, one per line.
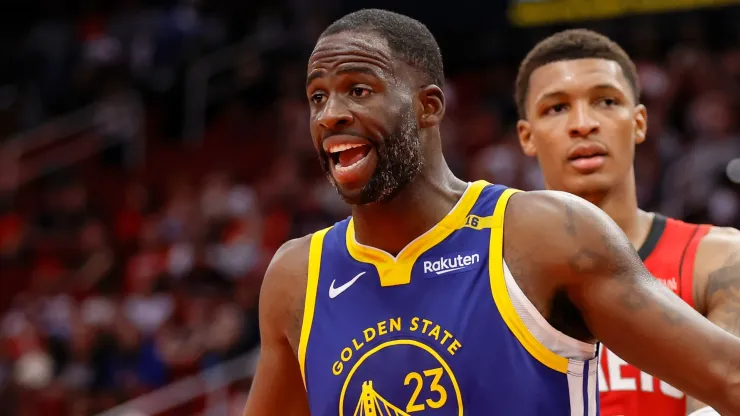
(441, 297)
(577, 94)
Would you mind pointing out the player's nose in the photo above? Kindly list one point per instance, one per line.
(335, 114)
(581, 122)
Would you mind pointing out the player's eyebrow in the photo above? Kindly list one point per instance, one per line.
(560, 93)
(347, 69)
(606, 86)
(551, 94)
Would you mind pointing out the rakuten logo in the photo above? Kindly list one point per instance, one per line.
(450, 264)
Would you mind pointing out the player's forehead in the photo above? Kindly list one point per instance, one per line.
(576, 76)
(361, 48)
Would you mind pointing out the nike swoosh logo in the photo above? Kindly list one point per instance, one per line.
(336, 291)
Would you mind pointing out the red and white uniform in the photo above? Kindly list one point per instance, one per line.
(669, 253)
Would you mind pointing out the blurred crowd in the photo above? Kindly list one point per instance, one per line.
(119, 278)
(110, 305)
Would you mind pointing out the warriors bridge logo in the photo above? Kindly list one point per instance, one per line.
(403, 375)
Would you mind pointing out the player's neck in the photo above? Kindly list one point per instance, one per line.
(620, 203)
(392, 225)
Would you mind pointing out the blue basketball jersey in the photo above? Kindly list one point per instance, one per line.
(433, 330)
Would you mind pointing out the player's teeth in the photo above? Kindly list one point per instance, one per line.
(342, 147)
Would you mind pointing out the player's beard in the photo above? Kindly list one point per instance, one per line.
(399, 162)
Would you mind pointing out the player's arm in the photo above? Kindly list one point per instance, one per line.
(717, 284)
(278, 386)
(582, 253)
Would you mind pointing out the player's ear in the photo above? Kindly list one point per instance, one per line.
(524, 131)
(433, 106)
(640, 117)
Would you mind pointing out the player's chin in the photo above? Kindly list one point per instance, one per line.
(353, 197)
(587, 184)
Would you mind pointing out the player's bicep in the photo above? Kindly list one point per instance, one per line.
(718, 262)
(278, 385)
(589, 256)
(637, 317)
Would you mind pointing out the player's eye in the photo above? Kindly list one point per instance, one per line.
(607, 102)
(359, 92)
(556, 109)
(318, 97)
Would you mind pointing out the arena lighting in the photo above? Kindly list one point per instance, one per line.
(733, 170)
(544, 12)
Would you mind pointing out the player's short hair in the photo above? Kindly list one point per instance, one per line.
(569, 45)
(408, 38)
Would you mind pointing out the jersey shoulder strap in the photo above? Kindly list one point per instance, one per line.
(670, 251)
(688, 258)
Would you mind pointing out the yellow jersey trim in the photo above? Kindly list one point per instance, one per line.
(394, 271)
(501, 293)
(312, 285)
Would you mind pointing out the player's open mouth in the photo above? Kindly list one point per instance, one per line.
(352, 159)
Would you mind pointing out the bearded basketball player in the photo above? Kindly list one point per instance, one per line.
(578, 99)
(443, 297)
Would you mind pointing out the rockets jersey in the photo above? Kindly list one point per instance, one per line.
(433, 330)
(668, 253)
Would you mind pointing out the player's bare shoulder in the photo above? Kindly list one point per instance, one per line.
(717, 268)
(530, 219)
(720, 241)
(555, 240)
(562, 232)
(284, 289)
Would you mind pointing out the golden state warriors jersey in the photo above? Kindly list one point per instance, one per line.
(433, 330)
